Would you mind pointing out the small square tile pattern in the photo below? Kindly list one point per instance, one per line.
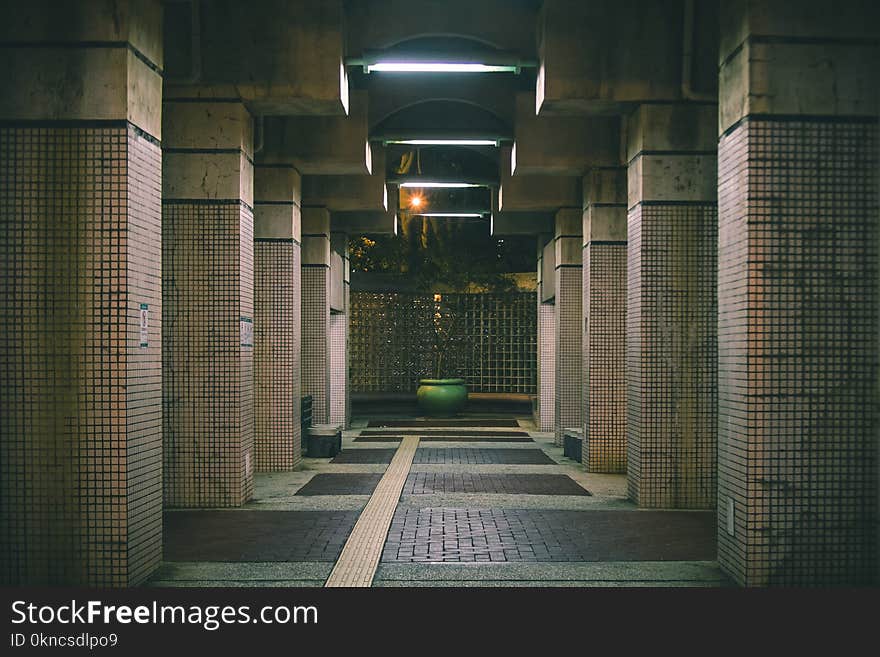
(80, 455)
(433, 534)
(671, 355)
(569, 350)
(426, 483)
(338, 363)
(277, 386)
(316, 340)
(493, 347)
(443, 438)
(477, 456)
(604, 347)
(798, 205)
(546, 366)
(207, 281)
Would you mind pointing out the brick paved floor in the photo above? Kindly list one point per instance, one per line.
(340, 483)
(497, 535)
(459, 433)
(474, 513)
(476, 456)
(364, 456)
(453, 535)
(202, 535)
(434, 438)
(462, 422)
(424, 483)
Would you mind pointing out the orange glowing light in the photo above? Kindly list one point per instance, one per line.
(416, 201)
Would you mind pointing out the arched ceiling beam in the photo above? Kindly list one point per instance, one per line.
(501, 24)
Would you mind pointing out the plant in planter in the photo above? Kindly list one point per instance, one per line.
(438, 396)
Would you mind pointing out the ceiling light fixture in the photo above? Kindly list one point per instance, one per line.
(444, 142)
(426, 184)
(440, 67)
(470, 215)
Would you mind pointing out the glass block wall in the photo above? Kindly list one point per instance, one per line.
(396, 339)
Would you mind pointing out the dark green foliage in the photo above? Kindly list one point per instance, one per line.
(445, 254)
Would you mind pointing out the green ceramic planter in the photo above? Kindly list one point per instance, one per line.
(442, 397)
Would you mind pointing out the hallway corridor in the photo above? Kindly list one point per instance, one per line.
(484, 503)
(635, 242)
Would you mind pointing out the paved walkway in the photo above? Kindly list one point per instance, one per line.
(411, 504)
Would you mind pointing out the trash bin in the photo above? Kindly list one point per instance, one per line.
(573, 444)
(305, 422)
(324, 440)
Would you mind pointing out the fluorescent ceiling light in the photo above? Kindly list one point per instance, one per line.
(444, 142)
(473, 215)
(440, 67)
(431, 183)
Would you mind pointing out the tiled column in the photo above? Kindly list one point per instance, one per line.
(569, 395)
(339, 324)
(546, 338)
(798, 310)
(604, 308)
(277, 308)
(316, 311)
(80, 298)
(671, 342)
(208, 293)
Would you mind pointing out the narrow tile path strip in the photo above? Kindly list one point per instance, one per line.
(360, 556)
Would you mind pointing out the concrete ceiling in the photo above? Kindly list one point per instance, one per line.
(291, 61)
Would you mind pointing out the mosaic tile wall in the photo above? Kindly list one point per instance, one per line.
(568, 340)
(633, 353)
(798, 205)
(340, 397)
(316, 339)
(547, 364)
(392, 341)
(277, 306)
(80, 429)
(348, 352)
(207, 280)
(671, 354)
(338, 368)
(604, 346)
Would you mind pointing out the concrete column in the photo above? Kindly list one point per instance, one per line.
(208, 292)
(339, 325)
(671, 344)
(568, 245)
(546, 406)
(316, 311)
(277, 309)
(604, 310)
(797, 289)
(80, 294)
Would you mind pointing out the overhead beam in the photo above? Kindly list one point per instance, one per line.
(344, 193)
(535, 193)
(606, 55)
(365, 222)
(521, 223)
(381, 24)
(390, 93)
(280, 57)
(561, 145)
(321, 145)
